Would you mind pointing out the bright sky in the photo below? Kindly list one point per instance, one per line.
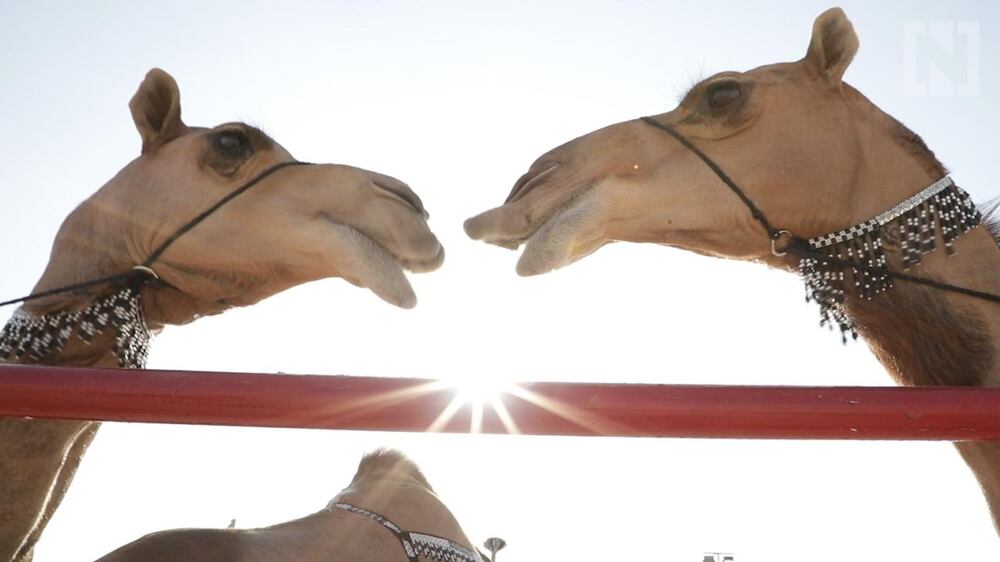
(457, 99)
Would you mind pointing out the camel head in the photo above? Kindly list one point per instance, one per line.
(787, 133)
(299, 224)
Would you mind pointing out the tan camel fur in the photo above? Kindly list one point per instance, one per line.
(386, 483)
(817, 157)
(300, 224)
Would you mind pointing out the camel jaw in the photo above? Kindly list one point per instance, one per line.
(366, 263)
(562, 238)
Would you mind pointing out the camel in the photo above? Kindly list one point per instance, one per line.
(298, 223)
(813, 157)
(387, 497)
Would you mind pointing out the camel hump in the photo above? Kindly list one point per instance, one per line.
(832, 46)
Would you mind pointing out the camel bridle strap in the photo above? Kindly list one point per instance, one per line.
(940, 208)
(143, 273)
(41, 336)
(155, 255)
(417, 545)
(758, 215)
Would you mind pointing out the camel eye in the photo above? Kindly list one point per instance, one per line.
(723, 94)
(233, 143)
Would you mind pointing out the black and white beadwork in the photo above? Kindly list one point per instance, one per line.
(40, 337)
(436, 548)
(416, 545)
(942, 208)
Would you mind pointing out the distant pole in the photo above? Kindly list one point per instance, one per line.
(494, 545)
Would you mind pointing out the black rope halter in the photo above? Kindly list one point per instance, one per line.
(143, 273)
(40, 336)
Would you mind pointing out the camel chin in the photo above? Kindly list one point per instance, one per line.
(563, 238)
(368, 264)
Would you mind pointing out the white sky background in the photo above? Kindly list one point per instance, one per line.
(458, 99)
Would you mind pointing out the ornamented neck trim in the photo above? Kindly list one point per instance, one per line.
(417, 545)
(940, 208)
(41, 337)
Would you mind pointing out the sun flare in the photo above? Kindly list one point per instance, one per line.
(477, 394)
(479, 391)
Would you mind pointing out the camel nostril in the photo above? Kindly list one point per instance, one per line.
(402, 192)
(530, 180)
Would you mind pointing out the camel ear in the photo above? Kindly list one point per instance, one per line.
(156, 110)
(833, 45)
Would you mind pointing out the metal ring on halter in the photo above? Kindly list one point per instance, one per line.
(147, 270)
(774, 239)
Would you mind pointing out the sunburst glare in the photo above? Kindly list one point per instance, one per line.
(477, 393)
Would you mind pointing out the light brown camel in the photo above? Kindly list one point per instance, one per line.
(299, 224)
(816, 157)
(387, 484)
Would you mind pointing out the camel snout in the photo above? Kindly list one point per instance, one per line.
(426, 265)
(532, 179)
(396, 189)
(502, 226)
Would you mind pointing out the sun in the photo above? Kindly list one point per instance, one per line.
(478, 394)
(478, 391)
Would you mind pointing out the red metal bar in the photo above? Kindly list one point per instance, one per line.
(539, 408)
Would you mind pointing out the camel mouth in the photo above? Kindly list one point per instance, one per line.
(476, 230)
(560, 239)
(367, 263)
(425, 265)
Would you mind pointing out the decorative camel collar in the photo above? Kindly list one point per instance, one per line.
(39, 337)
(416, 545)
(941, 207)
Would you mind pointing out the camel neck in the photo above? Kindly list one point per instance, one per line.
(925, 336)
(101, 325)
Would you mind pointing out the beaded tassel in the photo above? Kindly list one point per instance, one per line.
(940, 209)
(41, 337)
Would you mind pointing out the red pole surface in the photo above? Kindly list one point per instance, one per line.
(538, 408)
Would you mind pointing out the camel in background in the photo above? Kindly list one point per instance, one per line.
(816, 157)
(388, 513)
(298, 224)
